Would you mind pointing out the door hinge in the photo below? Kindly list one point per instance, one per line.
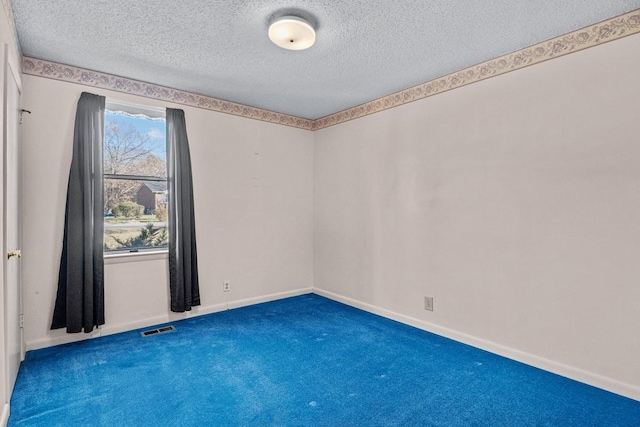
(22, 320)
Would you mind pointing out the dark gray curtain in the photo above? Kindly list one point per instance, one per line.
(80, 299)
(183, 261)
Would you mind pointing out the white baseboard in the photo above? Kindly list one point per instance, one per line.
(267, 298)
(165, 318)
(580, 375)
(60, 337)
(590, 378)
(200, 311)
(4, 415)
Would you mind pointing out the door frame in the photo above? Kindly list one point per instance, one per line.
(4, 398)
(11, 77)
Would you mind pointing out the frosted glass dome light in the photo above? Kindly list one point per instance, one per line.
(293, 33)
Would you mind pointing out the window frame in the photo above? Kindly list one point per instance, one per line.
(141, 111)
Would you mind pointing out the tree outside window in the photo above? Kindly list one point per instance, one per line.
(135, 179)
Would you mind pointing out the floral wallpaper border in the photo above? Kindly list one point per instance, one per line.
(602, 32)
(53, 70)
(605, 31)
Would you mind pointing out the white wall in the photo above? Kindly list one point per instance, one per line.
(253, 190)
(514, 202)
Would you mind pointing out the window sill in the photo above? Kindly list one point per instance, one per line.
(123, 257)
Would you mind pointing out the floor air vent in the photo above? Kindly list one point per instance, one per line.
(158, 331)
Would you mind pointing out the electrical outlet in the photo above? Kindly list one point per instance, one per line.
(428, 303)
(226, 287)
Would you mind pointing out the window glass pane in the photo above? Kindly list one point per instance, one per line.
(135, 214)
(134, 145)
(135, 237)
(135, 211)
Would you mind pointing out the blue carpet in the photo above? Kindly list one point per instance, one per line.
(303, 361)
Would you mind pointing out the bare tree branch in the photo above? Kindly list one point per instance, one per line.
(127, 151)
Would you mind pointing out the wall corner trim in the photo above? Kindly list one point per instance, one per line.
(82, 76)
(59, 337)
(605, 383)
(575, 41)
(266, 298)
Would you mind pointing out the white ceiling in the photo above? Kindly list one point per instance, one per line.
(364, 49)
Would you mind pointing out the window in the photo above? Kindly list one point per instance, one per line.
(135, 179)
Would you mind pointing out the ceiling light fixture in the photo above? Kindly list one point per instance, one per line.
(292, 32)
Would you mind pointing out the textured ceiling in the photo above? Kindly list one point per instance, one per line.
(364, 49)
